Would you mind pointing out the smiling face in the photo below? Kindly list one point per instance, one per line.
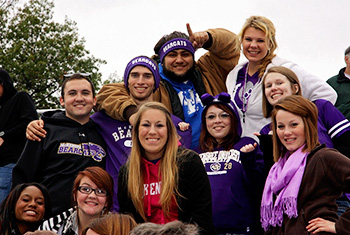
(89, 204)
(141, 83)
(78, 100)
(290, 130)
(277, 86)
(30, 206)
(218, 123)
(153, 133)
(178, 61)
(255, 46)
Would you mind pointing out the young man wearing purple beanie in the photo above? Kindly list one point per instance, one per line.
(141, 79)
(183, 80)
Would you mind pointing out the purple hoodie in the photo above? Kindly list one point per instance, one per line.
(236, 180)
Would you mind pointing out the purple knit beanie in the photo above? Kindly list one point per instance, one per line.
(146, 62)
(174, 44)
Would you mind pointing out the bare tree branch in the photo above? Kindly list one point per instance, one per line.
(6, 4)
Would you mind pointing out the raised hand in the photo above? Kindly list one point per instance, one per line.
(248, 148)
(198, 39)
(184, 126)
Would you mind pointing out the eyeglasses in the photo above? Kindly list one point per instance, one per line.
(89, 190)
(222, 116)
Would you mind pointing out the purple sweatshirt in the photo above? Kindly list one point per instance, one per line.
(330, 123)
(236, 181)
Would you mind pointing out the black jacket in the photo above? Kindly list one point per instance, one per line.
(194, 207)
(56, 160)
(17, 109)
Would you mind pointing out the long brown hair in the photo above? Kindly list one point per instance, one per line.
(304, 108)
(265, 25)
(292, 78)
(168, 169)
(114, 223)
(208, 142)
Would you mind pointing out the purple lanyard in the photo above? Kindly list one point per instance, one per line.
(245, 104)
(245, 100)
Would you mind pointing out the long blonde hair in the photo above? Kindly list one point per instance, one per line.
(168, 169)
(265, 25)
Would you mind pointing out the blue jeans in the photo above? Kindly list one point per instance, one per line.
(5, 180)
(343, 204)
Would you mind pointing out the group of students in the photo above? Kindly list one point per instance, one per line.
(288, 184)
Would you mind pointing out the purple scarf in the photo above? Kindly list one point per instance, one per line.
(284, 180)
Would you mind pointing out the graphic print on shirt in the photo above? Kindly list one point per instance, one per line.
(190, 101)
(241, 98)
(219, 162)
(123, 133)
(96, 152)
(152, 188)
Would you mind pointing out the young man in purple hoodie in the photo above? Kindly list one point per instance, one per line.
(141, 79)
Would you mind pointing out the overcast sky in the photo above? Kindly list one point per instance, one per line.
(311, 33)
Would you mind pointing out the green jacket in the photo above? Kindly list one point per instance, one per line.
(341, 84)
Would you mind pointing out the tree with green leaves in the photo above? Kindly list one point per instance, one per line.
(37, 51)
